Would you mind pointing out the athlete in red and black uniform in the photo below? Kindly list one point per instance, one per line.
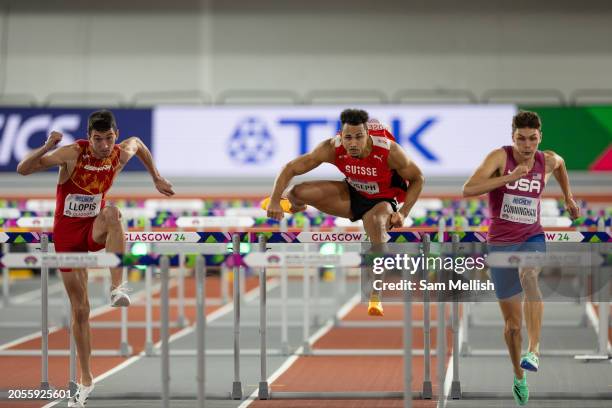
(87, 169)
(514, 177)
(377, 172)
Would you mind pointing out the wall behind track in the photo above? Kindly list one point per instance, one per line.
(213, 45)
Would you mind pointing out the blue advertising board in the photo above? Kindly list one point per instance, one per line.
(25, 129)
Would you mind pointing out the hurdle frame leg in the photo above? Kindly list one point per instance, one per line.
(165, 332)
(237, 384)
(149, 346)
(264, 388)
(427, 385)
(455, 391)
(44, 282)
(124, 348)
(201, 328)
(6, 280)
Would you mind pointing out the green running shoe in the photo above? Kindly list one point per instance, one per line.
(520, 390)
(530, 361)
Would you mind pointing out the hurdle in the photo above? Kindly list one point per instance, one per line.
(406, 394)
(44, 241)
(44, 261)
(6, 281)
(347, 395)
(552, 219)
(603, 351)
(77, 260)
(262, 260)
(124, 346)
(135, 214)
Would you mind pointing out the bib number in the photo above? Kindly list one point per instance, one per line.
(82, 206)
(519, 209)
(365, 186)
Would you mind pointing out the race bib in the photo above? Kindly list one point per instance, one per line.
(368, 187)
(80, 205)
(519, 209)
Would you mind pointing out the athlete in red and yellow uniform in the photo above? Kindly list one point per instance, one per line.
(80, 199)
(377, 172)
(87, 169)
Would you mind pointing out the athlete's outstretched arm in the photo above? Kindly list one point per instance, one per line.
(556, 164)
(400, 162)
(134, 146)
(483, 180)
(324, 152)
(44, 158)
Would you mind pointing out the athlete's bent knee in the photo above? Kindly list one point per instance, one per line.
(111, 216)
(297, 192)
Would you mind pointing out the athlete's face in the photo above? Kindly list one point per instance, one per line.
(102, 142)
(354, 139)
(526, 142)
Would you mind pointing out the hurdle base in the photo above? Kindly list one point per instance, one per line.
(285, 349)
(44, 385)
(427, 390)
(126, 350)
(73, 386)
(264, 391)
(182, 322)
(149, 349)
(592, 357)
(455, 392)
(466, 350)
(236, 390)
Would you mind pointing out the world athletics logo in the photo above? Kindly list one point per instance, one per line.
(251, 142)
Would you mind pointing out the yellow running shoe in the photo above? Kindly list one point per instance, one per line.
(375, 307)
(284, 203)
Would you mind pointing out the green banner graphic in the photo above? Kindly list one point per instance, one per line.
(581, 135)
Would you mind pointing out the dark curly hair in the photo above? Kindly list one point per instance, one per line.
(354, 117)
(526, 119)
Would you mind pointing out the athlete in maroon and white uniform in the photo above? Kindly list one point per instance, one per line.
(377, 171)
(515, 206)
(514, 177)
(87, 169)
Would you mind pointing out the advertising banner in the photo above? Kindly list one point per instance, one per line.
(25, 129)
(258, 141)
(582, 135)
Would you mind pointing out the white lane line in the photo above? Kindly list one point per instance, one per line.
(250, 295)
(182, 333)
(94, 313)
(35, 294)
(350, 304)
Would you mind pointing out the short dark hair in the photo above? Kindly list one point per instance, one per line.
(526, 119)
(101, 121)
(354, 117)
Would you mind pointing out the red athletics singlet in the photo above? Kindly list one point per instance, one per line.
(81, 198)
(515, 207)
(371, 175)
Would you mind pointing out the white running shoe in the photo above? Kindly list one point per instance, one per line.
(119, 296)
(79, 399)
